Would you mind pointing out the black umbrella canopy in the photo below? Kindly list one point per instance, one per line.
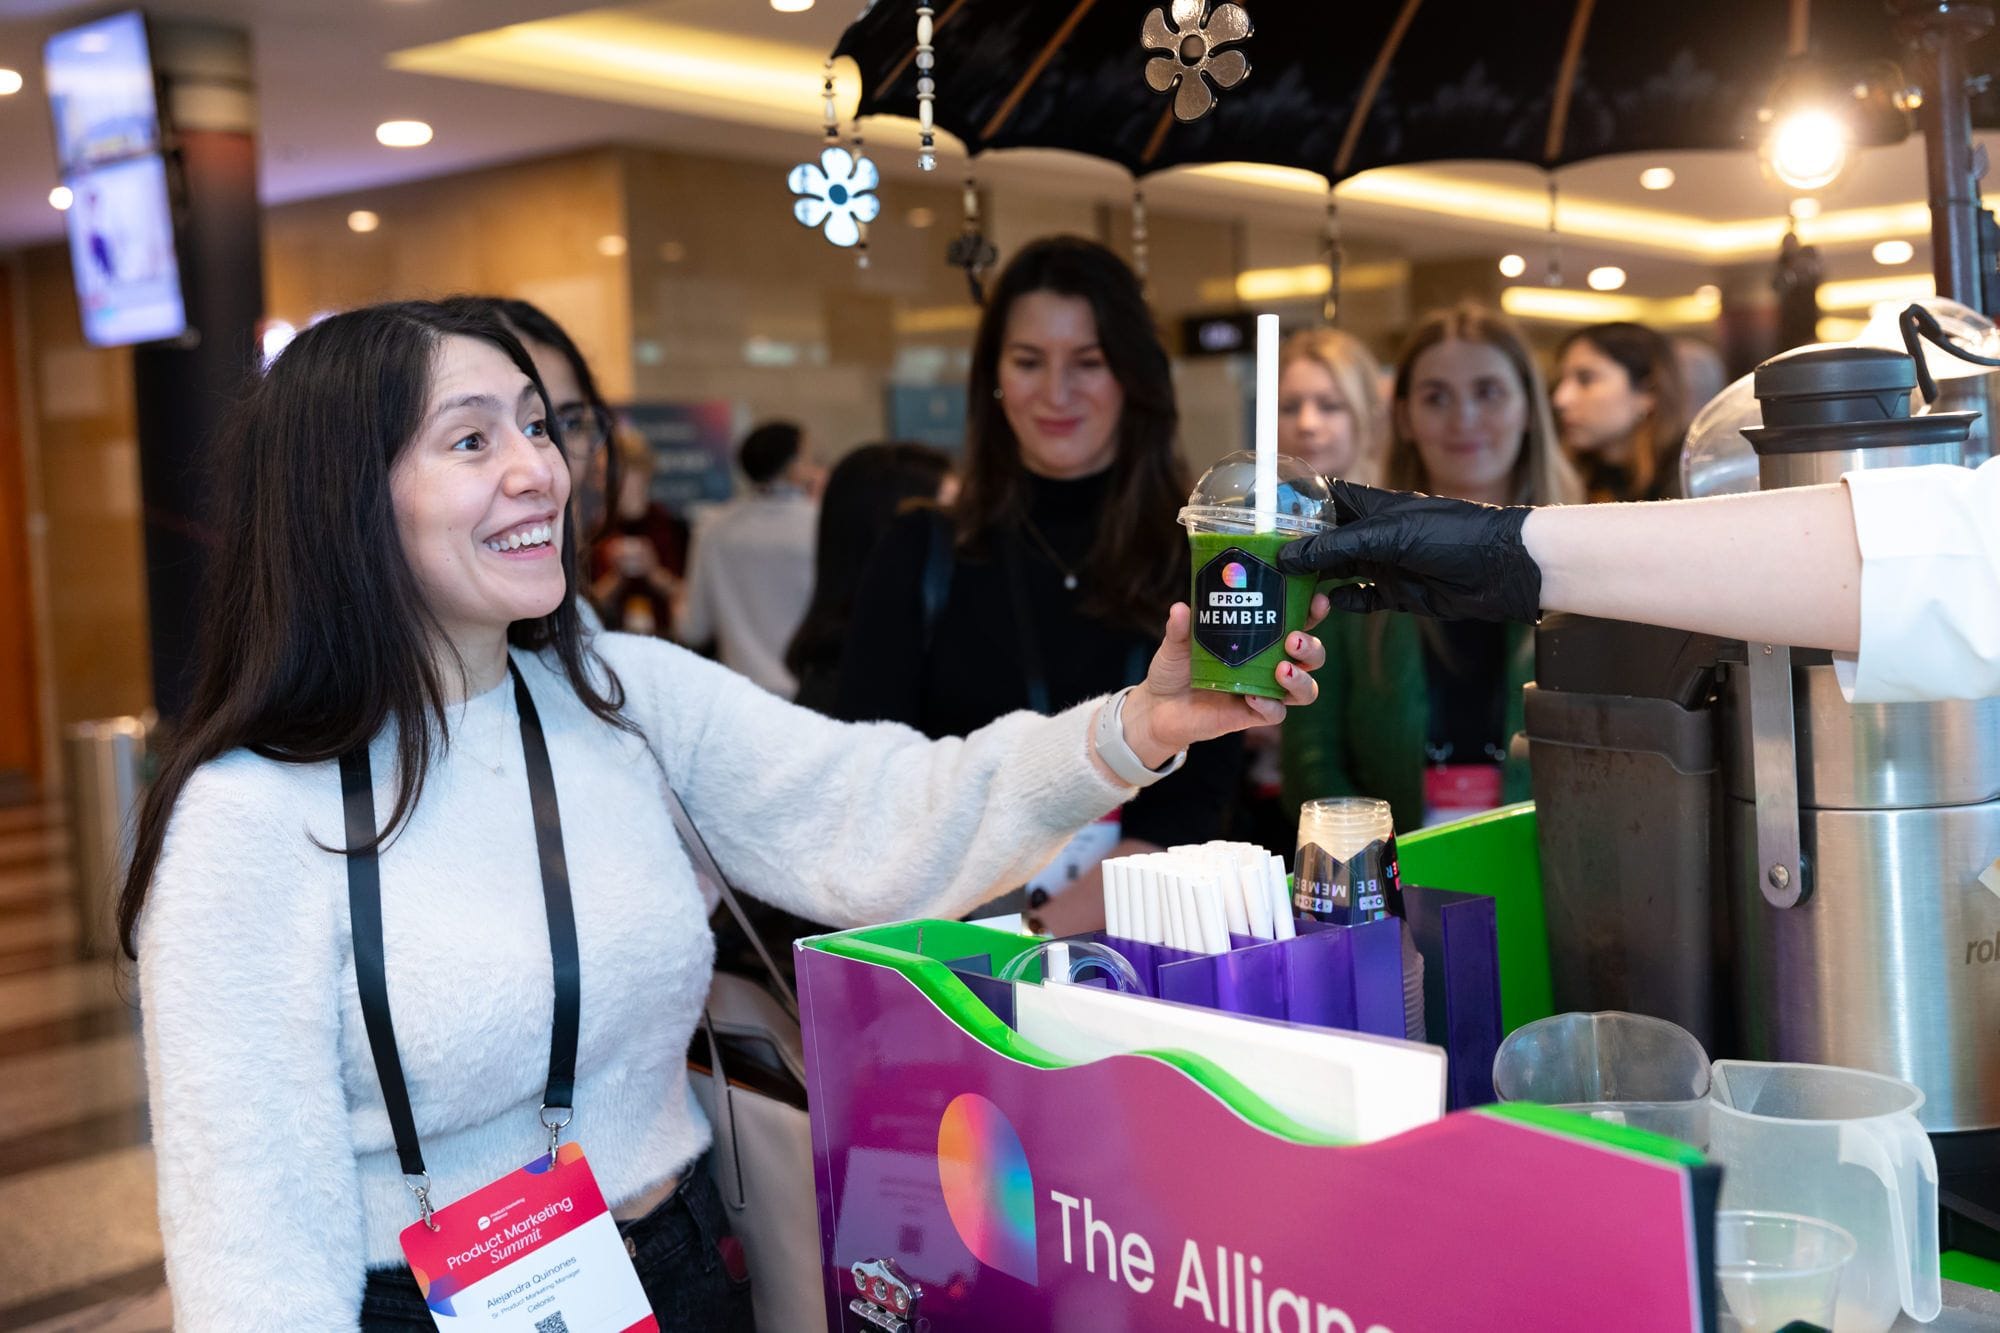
(1338, 88)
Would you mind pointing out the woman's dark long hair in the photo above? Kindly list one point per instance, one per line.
(1651, 471)
(532, 324)
(314, 633)
(864, 493)
(1137, 567)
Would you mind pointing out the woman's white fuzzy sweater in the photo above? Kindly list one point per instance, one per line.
(278, 1178)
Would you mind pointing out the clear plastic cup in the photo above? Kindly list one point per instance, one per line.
(1625, 1069)
(1344, 869)
(1244, 609)
(1776, 1269)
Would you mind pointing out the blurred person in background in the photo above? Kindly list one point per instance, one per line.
(1702, 373)
(750, 569)
(637, 564)
(865, 493)
(1622, 411)
(1330, 413)
(1060, 558)
(1420, 713)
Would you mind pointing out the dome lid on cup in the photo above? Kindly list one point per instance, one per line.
(1225, 499)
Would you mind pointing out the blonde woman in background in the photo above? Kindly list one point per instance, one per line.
(1330, 413)
(1419, 713)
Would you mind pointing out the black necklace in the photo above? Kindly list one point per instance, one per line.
(1042, 543)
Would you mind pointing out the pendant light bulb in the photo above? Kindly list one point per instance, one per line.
(1808, 149)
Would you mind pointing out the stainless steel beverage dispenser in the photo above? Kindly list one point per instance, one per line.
(1854, 836)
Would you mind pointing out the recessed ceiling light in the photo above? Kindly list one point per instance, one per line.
(1708, 291)
(791, 6)
(362, 220)
(10, 82)
(1606, 279)
(61, 198)
(920, 218)
(672, 252)
(1805, 208)
(402, 134)
(1512, 266)
(1656, 178)
(611, 246)
(1894, 252)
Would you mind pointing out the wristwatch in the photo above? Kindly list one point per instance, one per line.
(1117, 752)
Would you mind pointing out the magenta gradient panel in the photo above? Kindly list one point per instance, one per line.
(1121, 1195)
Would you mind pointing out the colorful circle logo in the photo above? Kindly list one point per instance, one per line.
(1235, 576)
(988, 1189)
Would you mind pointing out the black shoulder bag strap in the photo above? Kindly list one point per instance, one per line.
(364, 904)
(940, 559)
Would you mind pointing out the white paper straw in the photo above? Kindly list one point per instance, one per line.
(1251, 870)
(1177, 924)
(1234, 913)
(1055, 964)
(1154, 911)
(1267, 422)
(1281, 901)
(1114, 908)
(1214, 931)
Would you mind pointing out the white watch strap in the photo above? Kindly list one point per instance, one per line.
(1117, 752)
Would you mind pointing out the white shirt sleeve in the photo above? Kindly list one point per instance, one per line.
(1930, 584)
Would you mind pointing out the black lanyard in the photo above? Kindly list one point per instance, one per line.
(364, 905)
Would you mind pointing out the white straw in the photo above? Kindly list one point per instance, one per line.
(1267, 422)
(1281, 901)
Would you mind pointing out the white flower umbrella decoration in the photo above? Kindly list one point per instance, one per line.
(838, 194)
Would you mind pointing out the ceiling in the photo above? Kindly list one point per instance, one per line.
(326, 77)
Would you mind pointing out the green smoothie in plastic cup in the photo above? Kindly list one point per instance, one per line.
(1244, 609)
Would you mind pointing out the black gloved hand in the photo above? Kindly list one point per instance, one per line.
(1451, 559)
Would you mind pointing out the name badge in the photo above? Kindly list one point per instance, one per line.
(534, 1252)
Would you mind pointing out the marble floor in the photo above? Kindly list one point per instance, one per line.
(77, 1218)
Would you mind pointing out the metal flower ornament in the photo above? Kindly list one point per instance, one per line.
(1192, 57)
(838, 194)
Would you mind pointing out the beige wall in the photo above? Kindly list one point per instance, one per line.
(535, 230)
(84, 504)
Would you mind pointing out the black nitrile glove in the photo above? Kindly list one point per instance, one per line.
(1451, 559)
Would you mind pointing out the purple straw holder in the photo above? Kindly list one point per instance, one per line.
(1458, 937)
(1146, 959)
(1345, 977)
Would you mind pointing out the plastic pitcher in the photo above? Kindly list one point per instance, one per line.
(1624, 1068)
(1777, 1269)
(1842, 1145)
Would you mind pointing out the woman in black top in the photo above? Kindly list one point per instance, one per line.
(1052, 575)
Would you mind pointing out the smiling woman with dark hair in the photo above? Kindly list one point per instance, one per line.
(407, 899)
(1055, 570)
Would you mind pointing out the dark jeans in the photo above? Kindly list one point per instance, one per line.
(689, 1264)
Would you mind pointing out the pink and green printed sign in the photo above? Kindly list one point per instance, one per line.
(1154, 1192)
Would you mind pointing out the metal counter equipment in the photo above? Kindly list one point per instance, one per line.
(1730, 845)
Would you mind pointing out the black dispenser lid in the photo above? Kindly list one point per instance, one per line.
(1841, 397)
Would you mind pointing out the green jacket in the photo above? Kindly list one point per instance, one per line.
(1365, 734)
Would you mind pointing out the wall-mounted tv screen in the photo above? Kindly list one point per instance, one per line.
(109, 149)
(100, 82)
(121, 248)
